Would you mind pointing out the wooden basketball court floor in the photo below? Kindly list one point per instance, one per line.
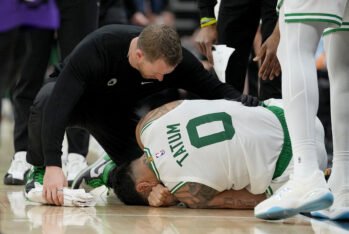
(110, 216)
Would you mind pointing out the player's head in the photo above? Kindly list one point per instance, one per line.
(158, 52)
(133, 181)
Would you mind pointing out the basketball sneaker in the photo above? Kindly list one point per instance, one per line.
(327, 226)
(18, 169)
(35, 176)
(340, 208)
(75, 164)
(96, 174)
(296, 196)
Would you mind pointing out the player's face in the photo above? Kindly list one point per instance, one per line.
(154, 70)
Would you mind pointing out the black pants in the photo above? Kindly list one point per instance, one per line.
(78, 18)
(237, 26)
(13, 49)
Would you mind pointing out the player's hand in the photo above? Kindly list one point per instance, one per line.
(269, 63)
(161, 196)
(206, 37)
(248, 100)
(54, 182)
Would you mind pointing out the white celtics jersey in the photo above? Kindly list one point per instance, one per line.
(334, 12)
(219, 143)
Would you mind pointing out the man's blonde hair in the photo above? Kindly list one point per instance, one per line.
(159, 41)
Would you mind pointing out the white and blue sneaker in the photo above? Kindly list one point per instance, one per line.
(340, 208)
(327, 226)
(296, 196)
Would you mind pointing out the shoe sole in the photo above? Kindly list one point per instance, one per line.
(9, 180)
(344, 215)
(276, 213)
(341, 216)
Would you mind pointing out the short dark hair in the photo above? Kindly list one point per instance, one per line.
(124, 186)
(159, 41)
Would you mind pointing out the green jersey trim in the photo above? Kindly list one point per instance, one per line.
(343, 27)
(151, 163)
(318, 15)
(313, 17)
(269, 192)
(178, 186)
(145, 126)
(286, 151)
(311, 20)
(279, 5)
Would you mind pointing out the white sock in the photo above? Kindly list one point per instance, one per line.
(339, 175)
(296, 54)
(337, 51)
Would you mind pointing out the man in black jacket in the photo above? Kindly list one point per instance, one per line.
(103, 80)
(236, 27)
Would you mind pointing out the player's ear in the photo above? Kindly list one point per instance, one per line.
(144, 186)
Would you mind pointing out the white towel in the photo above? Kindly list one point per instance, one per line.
(72, 197)
(221, 56)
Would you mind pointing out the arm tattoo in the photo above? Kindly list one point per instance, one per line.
(196, 195)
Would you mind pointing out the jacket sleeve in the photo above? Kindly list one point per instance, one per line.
(192, 76)
(206, 8)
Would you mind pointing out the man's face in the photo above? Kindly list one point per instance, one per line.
(154, 70)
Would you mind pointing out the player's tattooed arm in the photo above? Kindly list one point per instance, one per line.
(195, 195)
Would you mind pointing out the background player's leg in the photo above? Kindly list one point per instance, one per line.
(307, 190)
(300, 93)
(337, 50)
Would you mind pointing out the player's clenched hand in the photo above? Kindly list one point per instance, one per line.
(54, 182)
(161, 196)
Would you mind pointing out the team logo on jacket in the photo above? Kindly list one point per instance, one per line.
(112, 82)
(160, 153)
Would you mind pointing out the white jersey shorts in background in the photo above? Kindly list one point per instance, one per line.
(221, 144)
(335, 12)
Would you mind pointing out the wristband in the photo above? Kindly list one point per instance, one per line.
(206, 21)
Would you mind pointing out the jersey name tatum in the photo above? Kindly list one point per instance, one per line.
(175, 142)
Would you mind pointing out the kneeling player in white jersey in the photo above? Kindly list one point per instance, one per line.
(302, 23)
(210, 154)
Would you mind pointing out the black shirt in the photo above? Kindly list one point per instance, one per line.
(99, 68)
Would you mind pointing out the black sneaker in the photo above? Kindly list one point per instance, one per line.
(96, 174)
(35, 175)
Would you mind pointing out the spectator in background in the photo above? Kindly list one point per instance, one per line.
(78, 18)
(236, 27)
(16, 17)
